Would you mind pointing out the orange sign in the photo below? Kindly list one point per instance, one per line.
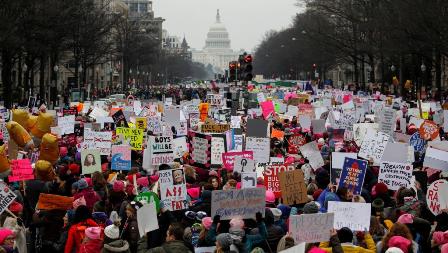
(51, 202)
(429, 130)
(277, 134)
(203, 110)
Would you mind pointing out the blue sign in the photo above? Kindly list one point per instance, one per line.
(352, 175)
(118, 163)
(417, 142)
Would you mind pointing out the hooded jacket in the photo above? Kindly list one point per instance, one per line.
(116, 246)
(168, 247)
(91, 246)
(350, 248)
(89, 195)
(75, 235)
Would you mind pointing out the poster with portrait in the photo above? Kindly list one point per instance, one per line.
(173, 189)
(90, 161)
(200, 150)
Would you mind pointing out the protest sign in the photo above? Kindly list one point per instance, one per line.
(311, 227)
(312, 153)
(121, 157)
(205, 249)
(21, 170)
(292, 186)
(200, 150)
(337, 163)
(54, 202)
(98, 140)
(217, 148)
(306, 110)
(355, 216)
(134, 136)
(228, 158)
(120, 119)
(373, 146)
(429, 130)
(360, 131)
(237, 141)
(141, 123)
(161, 144)
(67, 124)
(162, 158)
(267, 109)
(305, 121)
(7, 196)
(147, 219)
(344, 120)
(318, 126)
(299, 248)
(352, 175)
(91, 161)
(211, 127)
(244, 203)
(387, 120)
(215, 100)
(180, 146)
(294, 142)
(260, 148)
(4, 131)
(147, 198)
(277, 134)
(242, 164)
(271, 178)
(173, 189)
(248, 180)
(437, 196)
(235, 122)
(417, 142)
(436, 159)
(292, 111)
(395, 152)
(445, 120)
(395, 175)
(257, 128)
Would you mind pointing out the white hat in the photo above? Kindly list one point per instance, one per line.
(112, 231)
(394, 250)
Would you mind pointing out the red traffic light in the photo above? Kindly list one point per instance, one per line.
(248, 58)
(314, 65)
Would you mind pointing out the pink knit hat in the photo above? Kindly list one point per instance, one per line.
(406, 219)
(143, 182)
(194, 192)
(118, 186)
(89, 181)
(4, 232)
(270, 196)
(63, 151)
(316, 250)
(153, 178)
(444, 248)
(207, 222)
(440, 238)
(400, 242)
(237, 223)
(93, 233)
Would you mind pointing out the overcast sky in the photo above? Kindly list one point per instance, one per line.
(246, 20)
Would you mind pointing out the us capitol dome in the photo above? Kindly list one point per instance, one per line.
(217, 50)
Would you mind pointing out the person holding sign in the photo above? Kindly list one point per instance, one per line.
(345, 236)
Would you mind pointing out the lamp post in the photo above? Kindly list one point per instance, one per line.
(392, 69)
(54, 88)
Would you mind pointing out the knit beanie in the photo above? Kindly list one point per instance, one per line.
(400, 242)
(82, 184)
(112, 232)
(4, 232)
(225, 240)
(207, 222)
(118, 186)
(93, 233)
(237, 223)
(310, 207)
(394, 250)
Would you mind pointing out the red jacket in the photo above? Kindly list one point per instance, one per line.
(76, 235)
(89, 195)
(92, 246)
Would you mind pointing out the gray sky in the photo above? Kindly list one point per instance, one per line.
(246, 20)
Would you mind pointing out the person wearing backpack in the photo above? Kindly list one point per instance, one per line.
(76, 233)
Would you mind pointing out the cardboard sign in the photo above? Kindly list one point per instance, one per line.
(161, 144)
(210, 127)
(121, 157)
(98, 140)
(147, 219)
(373, 146)
(295, 142)
(21, 170)
(200, 150)
(228, 158)
(437, 196)
(134, 136)
(429, 130)
(387, 120)
(54, 202)
(141, 123)
(260, 148)
(120, 119)
(6, 197)
(173, 189)
(312, 153)
(271, 178)
(395, 175)
(352, 175)
(311, 227)
(436, 159)
(244, 203)
(91, 161)
(203, 111)
(248, 180)
(355, 216)
(293, 188)
(417, 142)
(243, 164)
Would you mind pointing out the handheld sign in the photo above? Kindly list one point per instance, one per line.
(355, 216)
(395, 175)
(6, 197)
(248, 180)
(244, 203)
(437, 196)
(243, 164)
(292, 185)
(311, 227)
(352, 176)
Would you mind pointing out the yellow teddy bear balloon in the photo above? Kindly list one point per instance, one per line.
(4, 162)
(49, 148)
(20, 136)
(43, 125)
(44, 170)
(21, 116)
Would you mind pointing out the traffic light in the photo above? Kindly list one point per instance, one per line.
(233, 71)
(246, 67)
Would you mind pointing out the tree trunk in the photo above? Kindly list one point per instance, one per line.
(42, 78)
(6, 77)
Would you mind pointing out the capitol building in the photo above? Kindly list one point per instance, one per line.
(217, 51)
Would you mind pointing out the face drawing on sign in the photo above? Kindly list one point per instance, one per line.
(89, 160)
(178, 177)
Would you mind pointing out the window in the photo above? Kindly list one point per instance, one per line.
(133, 7)
(143, 7)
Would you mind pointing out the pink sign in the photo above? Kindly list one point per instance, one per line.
(228, 158)
(268, 108)
(21, 170)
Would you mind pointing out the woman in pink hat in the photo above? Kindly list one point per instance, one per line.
(93, 242)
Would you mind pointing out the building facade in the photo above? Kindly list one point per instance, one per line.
(173, 45)
(217, 50)
(141, 12)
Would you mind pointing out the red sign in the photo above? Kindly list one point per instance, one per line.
(429, 130)
(271, 180)
(21, 170)
(228, 158)
(294, 142)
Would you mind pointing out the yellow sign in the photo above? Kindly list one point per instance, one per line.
(134, 136)
(140, 123)
(209, 127)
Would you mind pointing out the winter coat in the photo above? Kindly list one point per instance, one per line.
(92, 246)
(130, 233)
(76, 234)
(116, 246)
(168, 247)
(90, 196)
(350, 248)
